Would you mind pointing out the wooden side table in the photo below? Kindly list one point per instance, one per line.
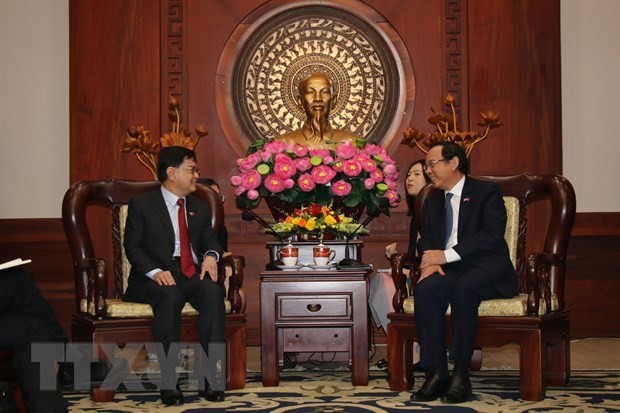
(307, 311)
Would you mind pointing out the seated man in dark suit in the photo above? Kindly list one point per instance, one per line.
(465, 260)
(27, 318)
(174, 252)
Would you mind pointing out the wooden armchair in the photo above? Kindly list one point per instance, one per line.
(101, 316)
(536, 319)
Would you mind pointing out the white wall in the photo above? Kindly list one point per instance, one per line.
(591, 102)
(34, 108)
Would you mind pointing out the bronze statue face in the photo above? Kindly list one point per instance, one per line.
(315, 96)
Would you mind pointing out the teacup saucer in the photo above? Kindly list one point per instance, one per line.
(289, 267)
(322, 267)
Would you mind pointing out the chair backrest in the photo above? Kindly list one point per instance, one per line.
(527, 188)
(112, 194)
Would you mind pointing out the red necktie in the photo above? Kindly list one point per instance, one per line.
(187, 261)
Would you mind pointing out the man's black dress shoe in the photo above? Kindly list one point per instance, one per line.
(458, 391)
(433, 388)
(213, 395)
(171, 397)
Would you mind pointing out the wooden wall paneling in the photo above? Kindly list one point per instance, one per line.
(514, 69)
(593, 285)
(115, 83)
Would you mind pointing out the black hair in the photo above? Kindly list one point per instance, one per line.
(172, 156)
(449, 150)
(208, 182)
(410, 198)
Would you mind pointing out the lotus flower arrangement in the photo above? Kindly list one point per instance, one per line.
(138, 140)
(354, 173)
(446, 130)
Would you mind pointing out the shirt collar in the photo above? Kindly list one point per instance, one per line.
(170, 198)
(458, 188)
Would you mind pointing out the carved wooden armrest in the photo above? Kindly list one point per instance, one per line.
(400, 262)
(93, 269)
(538, 273)
(236, 263)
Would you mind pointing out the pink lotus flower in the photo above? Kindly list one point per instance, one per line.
(284, 167)
(275, 146)
(351, 168)
(302, 164)
(392, 196)
(306, 182)
(274, 183)
(345, 150)
(300, 150)
(249, 162)
(372, 149)
(252, 194)
(323, 153)
(289, 183)
(251, 180)
(376, 175)
(390, 183)
(337, 166)
(265, 156)
(341, 188)
(322, 174)
(239, 190)
(368, 164)
(235, 180)
(390, 169)
(369, 183)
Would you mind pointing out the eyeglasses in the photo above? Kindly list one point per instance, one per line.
(431, 164)
(192, 170)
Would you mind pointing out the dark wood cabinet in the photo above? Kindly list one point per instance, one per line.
(314, 311)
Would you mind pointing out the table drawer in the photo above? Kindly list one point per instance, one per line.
(316, 339)
(307, 307)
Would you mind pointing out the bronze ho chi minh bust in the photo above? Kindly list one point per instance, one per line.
(316, 98)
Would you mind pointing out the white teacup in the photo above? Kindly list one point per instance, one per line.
(321, 261)
(289, 261)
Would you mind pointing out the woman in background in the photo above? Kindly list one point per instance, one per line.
(382, 289)
(415, 180)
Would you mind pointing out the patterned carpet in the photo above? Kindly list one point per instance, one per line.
(302, 392)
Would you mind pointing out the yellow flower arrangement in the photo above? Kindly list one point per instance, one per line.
(317, 220)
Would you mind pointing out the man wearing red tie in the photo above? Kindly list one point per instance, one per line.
(173, 252)
(464, 260)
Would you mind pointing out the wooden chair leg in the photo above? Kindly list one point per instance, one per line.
(533, 364)
(102, 395)
(236, 358)
(400, 358)
(476, 360)
(558, 359)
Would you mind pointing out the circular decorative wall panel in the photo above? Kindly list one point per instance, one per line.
(279, 51)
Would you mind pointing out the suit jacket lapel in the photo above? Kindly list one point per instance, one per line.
(464, 206)
(161, 210)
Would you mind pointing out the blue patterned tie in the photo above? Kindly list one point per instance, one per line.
(449, 218)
